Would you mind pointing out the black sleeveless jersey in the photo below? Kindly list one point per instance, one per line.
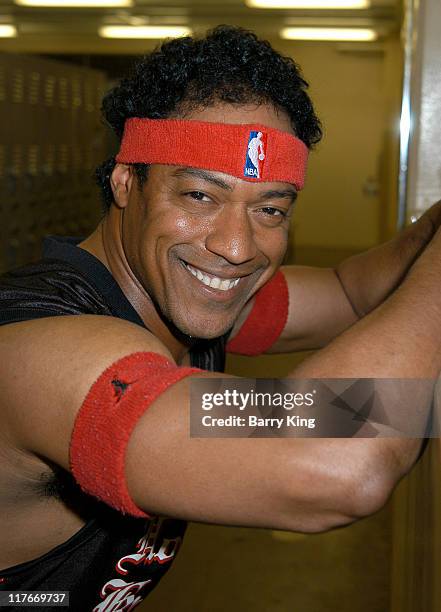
(114, 561)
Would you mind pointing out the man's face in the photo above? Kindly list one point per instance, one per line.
(200, 242)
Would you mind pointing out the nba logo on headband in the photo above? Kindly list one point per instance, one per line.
(255, 155)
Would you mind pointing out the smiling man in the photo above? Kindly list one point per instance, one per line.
(195, 244)
(99, 473)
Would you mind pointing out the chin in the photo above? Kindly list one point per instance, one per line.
(203, 331)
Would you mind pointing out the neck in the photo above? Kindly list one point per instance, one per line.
(105, 244)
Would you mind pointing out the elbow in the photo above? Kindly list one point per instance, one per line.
(345, 493)
(368, 494)
(356, 500)
(385, 462)
(370, 485)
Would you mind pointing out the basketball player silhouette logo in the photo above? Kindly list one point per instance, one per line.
(255, 155)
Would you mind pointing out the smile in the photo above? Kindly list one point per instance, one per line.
(224, 284)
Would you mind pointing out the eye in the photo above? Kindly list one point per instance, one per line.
(272, 217)
(274, 212)
(200, 196)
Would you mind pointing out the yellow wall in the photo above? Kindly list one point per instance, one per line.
(355, 93)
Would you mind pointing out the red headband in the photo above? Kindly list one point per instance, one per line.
(252, 152)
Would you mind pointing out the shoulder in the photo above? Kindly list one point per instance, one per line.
(72, 338)
(48, 365)
(47, 288)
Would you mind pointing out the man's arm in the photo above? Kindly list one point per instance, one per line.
(323, 302)
(47, 367)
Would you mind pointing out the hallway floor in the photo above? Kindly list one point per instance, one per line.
(223, 568)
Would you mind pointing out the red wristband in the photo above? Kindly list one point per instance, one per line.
(108, 416)
(266, 320)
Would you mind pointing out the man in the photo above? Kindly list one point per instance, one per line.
(186, 259)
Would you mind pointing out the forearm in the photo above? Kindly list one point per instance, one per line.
(399, 340)
(324, 302)
(369, 278)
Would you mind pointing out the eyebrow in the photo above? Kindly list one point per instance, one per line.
(279, 193)
(204, 175)
(210, 178)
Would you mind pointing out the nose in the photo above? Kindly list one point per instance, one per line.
(232, 237)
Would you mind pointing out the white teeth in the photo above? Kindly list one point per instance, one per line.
(213, 281)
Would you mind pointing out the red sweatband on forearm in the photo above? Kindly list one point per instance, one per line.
(266, 320)
(108, 416)
(252, 152)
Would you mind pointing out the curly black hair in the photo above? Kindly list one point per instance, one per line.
(229, 64)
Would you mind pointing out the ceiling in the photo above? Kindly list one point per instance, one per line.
(68, 30)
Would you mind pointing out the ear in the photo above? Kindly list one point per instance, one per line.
(121, 181)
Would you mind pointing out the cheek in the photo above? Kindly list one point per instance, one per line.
(178, 228)
(184, 226)
(273, 244)
(163, 231)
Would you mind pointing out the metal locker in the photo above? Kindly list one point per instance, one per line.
(51, 140)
